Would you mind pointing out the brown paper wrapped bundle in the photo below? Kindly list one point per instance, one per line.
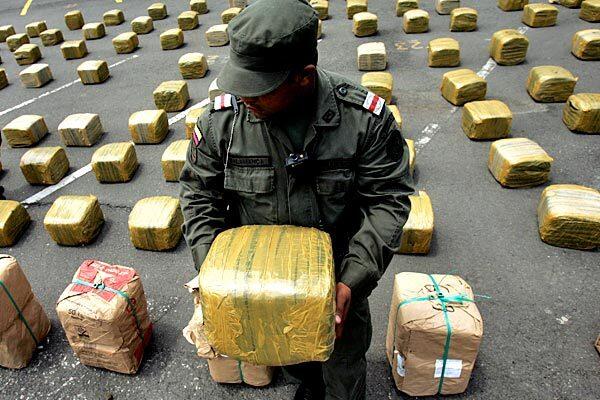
(171, 95)
(157, 11)
(371, 56)
(582, 113)
(590, 11)
(539, 15)
(107, 303)
(17, 40)
(148, 126)
(364, 24)
(355, 6)
(34, 29)
(230, 14)
(28, 54)
(569, 216)
(403, 6)
(113, 18)
(126, 42)
(191, 119)
(586, 44)
(463, 19)
(25, 131)
(486, 119)
(550, 84)
(193, 65)
(155, 223)
(199, 6)
(13, 221)
(443, 52)
(321, 7)
(23, 322)
(396, 113)
(463, 85)
(73, 49)
(6, 31)
(570, 3)
(508, 47)
(94, 30)
(74, 20)
(411, 155)
(433, 334)
(115, 162)
(415, 21)
(80, 130)
(142, 25)
(217, 35)
(519, 162)
(512, 5)
(445, 7)
(44, 165)
(74, 220)
(418, 230)
(51, 37)
(93, 72)
(171, 39)
(173, 159)
(187, 20)
(3, 79)
(380, 83)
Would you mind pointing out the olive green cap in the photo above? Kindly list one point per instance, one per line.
(267, 40)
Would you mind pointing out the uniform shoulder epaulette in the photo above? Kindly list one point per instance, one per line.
(223, 102)
(360, 97)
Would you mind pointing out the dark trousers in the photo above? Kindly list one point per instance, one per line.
(345, 373)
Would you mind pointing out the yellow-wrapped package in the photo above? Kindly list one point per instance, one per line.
(411, 155)
(582, 113)
(380, 83)
(25, 131)
(519, 162)
(16, 40)
(590, 11)
(28, 54)
(73, 49)
(570, 3)
(418, 230)
(173, 159)
(539, 15)
(371, 56)
(462, 86)
(569, 216)
(415, 21)
(229, 14)
(6, 31)
(191, 119)
(157, 11)
(94, 30)
(403, 6)
(44, 165)
(443, 52)
(486, 119)
(35, 28)
(512, 5)
(142, 25)
(93, 71)
(171, 95)
(126, 42)
(445, 7)
(586, 44)
(14, 218)
(113, 17)
(463, 19)
(217, 35)
(74, 220)
(364, 24)
(355, 6)
(148, 126)
(36, 75)
(74, 20)
(155, 223)
(115, 162)
(193, 65)
(550, 84)
(321, 7)
(3, 78)
(396, 113)
(268, 294)
(51, 37)
(188, 20)
(171, 39)
(508, 47)
(199, 6)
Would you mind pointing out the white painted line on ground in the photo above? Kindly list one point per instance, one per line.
(66, 85)
(427, 134)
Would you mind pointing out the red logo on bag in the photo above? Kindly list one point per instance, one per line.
(117, 278)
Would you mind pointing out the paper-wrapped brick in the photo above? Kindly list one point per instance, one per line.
(371, 56)
(570, 3)
(443, 52)
(155, 223)
(93, 72)
(23, 322)
(28, 54)
(74, 220)
(380, 83)
(539, 15)
(213, 90)
(34, 29)
(73, 49)
(550, 84)
(105, 316)
(148, 126)
(80, 130)
(191, 119)
(74, 20)
(217, 35)
(434, 332)
(173, 159)
(463, 19)
(44, 165)
(13, 221)
(238, 3)
(25, 131)
(115, 162)
(415, 21)
(157, 11)
(586, 44)
(113, 17)
(512, 5)
(3, 79)
(171, 95)
(17, 40)
(569, 216)
(193, 65)
(171, 39)
(486, 119)
(280, 310)
(445, 7)
(411, 155)
(355, 6)
(51, 37)
(229, 14)
(590, 11)
(463, 85)
(508, 47)
(403, 6)
(582, 113)
(142, 25)
(6, 31)
(321, 7)
(396, 113)
(364, 24)
(188, 20)
(199, 6)
(519, 162)
(126, 42)
(418, 230)
(94, 30)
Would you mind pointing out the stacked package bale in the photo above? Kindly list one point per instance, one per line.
(171, 39)
(34, 29)
(222, 369)
(569, 216)
(6, 31)
(93, 72)
(44, 165)
(25, 131)
(17, 40)
(23, 322)
(13, 221)
(570, 3)
(115, 162)
(486, 119)
(586, 44)
(217, 35)
(74, 20)
(463, 85)
(582, 113)
(108, 303)
(74, 220)
(155, 223)
(364, 24)
(590, 11)
(51, 37)
(512, 5)
(157, 11)
(371, 56)
(142, 25)
(550, 84)
(199, 6)
(508, 47)
(171, 95)
(403, 6)
(443, 52)
(463, 19)
(355, 6)
(113, 17)
(294, 323)
(188, 20)
(28, 54)
(229, 14)
(73, 49)
(191, 119)
(380, 83)
(173, 159)
(94, 30)
(415, 21)
(445, 7)
(433, 334)
(519, 162)
(418, 230)
(126, 42)
(539, 15)
(193, 65)
(3, 79)
(81, 130)
(148, 126)
(321, 7)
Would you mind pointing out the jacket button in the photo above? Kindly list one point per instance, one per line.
(343, 91)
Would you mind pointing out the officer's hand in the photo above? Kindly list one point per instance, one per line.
(343, 295)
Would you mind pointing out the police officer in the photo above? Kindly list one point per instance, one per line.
(291, 143)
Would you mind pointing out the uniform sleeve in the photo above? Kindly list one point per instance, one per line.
(202, 196)
(384, 184)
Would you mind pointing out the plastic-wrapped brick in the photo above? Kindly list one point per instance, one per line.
(519, 162)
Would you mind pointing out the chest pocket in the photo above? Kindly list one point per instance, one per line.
(253, 190)
(334, 190)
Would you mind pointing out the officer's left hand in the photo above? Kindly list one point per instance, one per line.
(343, 295)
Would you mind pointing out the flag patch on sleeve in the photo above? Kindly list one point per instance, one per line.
(373, 103)
(223, 101)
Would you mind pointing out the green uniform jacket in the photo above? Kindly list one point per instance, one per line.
(357, 187)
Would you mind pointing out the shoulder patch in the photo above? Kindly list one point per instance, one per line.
(360, 97)
(223, 102)
(373, 103)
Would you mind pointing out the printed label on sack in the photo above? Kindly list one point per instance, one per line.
(400, 365)
(116, 279)
(453, 368)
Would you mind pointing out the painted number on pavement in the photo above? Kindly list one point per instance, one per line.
(406, 45)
